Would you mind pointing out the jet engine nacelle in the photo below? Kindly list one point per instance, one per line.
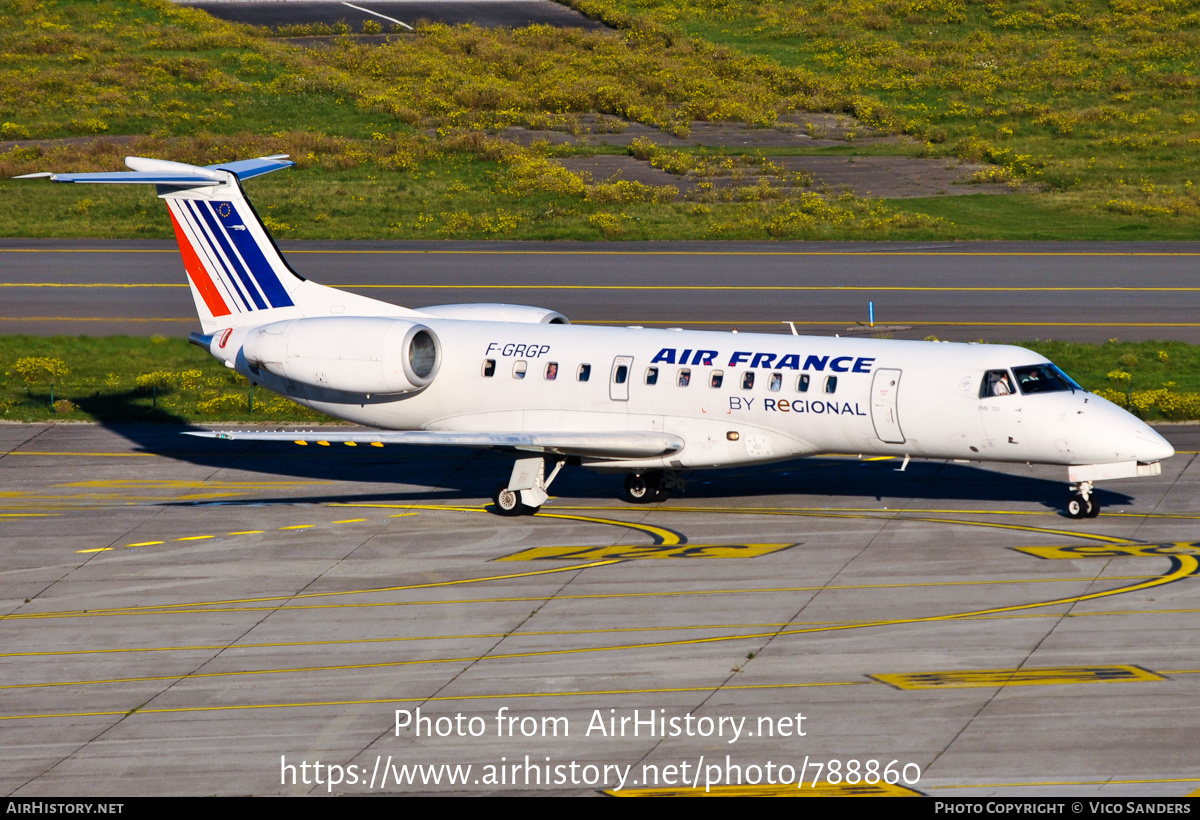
(496, 312)
(351, 354)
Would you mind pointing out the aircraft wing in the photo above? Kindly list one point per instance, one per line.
(593, 445)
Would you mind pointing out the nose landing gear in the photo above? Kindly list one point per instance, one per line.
(1081, 504)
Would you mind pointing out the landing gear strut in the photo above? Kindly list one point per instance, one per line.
(651, 486)
(526, 489)
(1081, 503)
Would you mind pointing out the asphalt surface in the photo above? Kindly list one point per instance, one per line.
(407, 13)
(193, 617)
(997, 291)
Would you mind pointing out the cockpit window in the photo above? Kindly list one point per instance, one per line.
(996, 383)
(1044, 378)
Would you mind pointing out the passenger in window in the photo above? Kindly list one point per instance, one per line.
(748, 380)
(651, 375)
(776, 382)
(551, 371)
(717, 378)
(585, 372)
(685, 377)
(489, 368)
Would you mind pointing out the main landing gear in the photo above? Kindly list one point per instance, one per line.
(526, 489)
(1081, 503)
(651, 486)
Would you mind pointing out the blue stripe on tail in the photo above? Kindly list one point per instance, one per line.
(260, 267)
(196, 222)
(207, 212)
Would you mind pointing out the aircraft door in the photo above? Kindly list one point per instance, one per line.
(618, 380)
(885, 387)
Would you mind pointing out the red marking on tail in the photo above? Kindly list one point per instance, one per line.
(197, 273)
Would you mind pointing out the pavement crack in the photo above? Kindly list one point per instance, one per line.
(1060, 620)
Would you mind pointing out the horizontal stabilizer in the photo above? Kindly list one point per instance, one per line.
(147, 171)
(593, 445)
(132, 178)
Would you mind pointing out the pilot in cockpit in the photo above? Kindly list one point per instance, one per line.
(998, 383)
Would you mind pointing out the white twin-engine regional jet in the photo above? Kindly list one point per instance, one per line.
(647, 403)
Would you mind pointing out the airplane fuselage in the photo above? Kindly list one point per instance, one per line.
(739, 398)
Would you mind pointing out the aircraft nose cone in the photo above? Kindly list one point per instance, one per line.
(1150, 446)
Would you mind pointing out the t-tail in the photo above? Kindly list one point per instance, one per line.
(237, 274)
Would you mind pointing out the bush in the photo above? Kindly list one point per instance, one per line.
(39, 368)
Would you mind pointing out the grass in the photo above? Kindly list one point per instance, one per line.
(1050, 217)
(457, 195)
(1087, 96)
(126, 378)
(132, 379)
(1088, 109)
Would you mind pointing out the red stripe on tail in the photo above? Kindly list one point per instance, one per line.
(197, 273)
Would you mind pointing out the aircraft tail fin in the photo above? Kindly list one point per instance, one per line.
(237, 274)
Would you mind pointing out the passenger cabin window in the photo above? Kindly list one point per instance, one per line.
(489, 368)
(996, 383)
(684, 378)
(519, 368)
(802, 384)
(831, 384)
(1044, 378)
(585, 371)
(748, 380)
(776, 382)
(716, 378)
(551, 371)
(621, 374)
(651, 375)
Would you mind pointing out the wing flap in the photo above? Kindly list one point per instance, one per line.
(594, 445)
